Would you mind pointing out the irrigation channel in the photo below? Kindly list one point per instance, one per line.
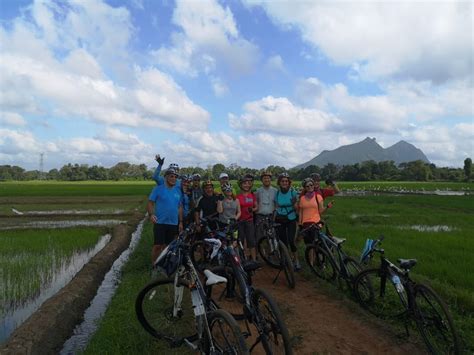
(78, 297)
(18, 313)
(83, 332)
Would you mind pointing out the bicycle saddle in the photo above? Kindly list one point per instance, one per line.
(407, 264)
(250, 265)
(212, 278)
(339, 240)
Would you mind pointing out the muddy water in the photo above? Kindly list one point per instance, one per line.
(14, 314)
(84, 331)
(63, 224)
(402, 192)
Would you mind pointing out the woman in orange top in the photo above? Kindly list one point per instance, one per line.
(310, 208)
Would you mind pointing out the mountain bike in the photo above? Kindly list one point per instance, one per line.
(326, 258)
(388, 291)
(166, 308)
(245, 302)
(274, 251)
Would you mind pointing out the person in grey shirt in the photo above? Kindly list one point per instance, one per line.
(265, 200)
(228, 207)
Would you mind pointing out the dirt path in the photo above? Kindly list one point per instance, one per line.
(326, 325)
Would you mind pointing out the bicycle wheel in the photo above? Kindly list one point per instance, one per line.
(287, 265)
(269, 252)
(378, 295)
(200, 255)
(226, 335)
(154, 310)
(320, 262)
(352, 269)
(275, 338)
(434, 322)
(229, 296)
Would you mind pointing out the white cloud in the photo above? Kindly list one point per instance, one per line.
(208, 36)
(12, 119)
(219, 87)
(411, 40)
(280, 116)
(275, 63)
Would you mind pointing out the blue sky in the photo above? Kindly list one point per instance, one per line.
(248, 82)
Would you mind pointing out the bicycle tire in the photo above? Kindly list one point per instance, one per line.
(275, 338)
(229, 340)
(153, 308)
(434, 321)
(353, 269)
(272, 258)
(287, 265)
(320, 262)
(380, 300)
(230, 295)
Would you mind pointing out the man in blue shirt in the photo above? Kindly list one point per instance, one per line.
(165, 208)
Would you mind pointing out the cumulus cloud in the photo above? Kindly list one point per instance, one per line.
(208, 35)
(275, 64)
(11, 119)
(278, 115)
(409, 40)
(54, 66)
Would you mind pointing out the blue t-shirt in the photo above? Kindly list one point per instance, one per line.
(160, 180)
(167, 201)
(286, 201)
(186, 206)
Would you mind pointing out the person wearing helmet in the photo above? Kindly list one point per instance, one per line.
(248, 205)
(223, 180)
(285, 200)
(310, 208)
(229, 207)
(187, 204)
(207, 205)
(265, 195)
(331, 187)
(196, 190)
(165, 208)
(156, 175)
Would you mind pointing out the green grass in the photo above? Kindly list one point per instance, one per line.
(119, 331)
(445, 259)
(29, 258)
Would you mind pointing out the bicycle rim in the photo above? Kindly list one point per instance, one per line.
(320, 263)
(434, 322)
(269, 254)
(287, 265)
(154, 310)
(274, 337)
(382, 301)
(226, 335)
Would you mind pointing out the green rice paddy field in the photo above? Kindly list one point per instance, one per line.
(436, 230)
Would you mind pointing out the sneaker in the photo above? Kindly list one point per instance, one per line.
(297, 266)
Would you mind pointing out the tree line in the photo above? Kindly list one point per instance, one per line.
(366, 171)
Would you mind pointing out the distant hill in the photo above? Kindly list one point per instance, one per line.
(368, 149)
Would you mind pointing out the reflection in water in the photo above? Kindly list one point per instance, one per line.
(425, 228)
(84, 331)
(64, 224)
(15, 313)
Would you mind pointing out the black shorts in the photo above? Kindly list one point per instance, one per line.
(164, 233)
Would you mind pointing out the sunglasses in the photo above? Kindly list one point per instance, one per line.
(173, 176)
(309, 185)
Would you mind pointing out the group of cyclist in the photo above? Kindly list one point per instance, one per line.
(177, 200)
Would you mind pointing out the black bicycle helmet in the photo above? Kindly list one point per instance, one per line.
(282, 176)
(196, 177)
(246, 177)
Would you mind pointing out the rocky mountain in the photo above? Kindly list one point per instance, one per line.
(368, 149)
